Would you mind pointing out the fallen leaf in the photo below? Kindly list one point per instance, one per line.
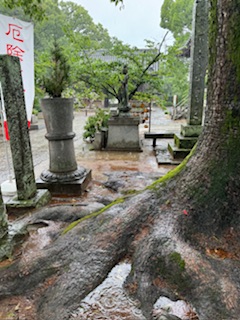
(17, 307)
(28, 308)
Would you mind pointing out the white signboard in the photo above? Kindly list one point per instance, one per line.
(16, 39)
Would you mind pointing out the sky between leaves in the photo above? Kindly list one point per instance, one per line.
(132, 23)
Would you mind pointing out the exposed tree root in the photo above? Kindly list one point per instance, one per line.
(143, 226)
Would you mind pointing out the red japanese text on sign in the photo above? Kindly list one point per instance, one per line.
(15, 31)
(15, 51)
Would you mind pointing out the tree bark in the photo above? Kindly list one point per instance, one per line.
(210, 184)
(3, 219)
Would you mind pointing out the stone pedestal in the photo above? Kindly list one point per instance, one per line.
(123, 133)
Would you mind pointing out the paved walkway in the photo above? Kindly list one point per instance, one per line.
(99, 162)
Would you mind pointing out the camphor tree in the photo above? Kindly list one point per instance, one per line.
(181, 231)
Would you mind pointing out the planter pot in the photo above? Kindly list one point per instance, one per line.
(58, 117)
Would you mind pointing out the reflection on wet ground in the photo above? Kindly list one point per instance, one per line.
(111, 301)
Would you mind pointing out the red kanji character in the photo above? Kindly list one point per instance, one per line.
(15, 51)
(15, 30)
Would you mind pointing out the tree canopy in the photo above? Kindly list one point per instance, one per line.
(176, 16)
(80, 37)
(33, 8)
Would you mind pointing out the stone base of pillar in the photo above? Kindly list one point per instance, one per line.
(41, 198)
(123, 134)
(184, 142)
(191, 130)
(70, 188)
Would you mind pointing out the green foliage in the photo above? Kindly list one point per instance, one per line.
(57, 76)
(175, 75)
(95, 123)
(80, 23)
(117, 2)
(76, 33)
(106, 76)
(176, 16)
(32, 8)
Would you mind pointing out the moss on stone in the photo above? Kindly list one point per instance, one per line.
(176, 258)
(172, 269)
(130, 192)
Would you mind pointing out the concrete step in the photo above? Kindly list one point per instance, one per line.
(182, 142)
(178, 153)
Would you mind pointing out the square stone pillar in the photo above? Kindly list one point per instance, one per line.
(199, 59)
(14, 102)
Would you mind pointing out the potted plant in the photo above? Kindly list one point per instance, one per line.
(58, 117)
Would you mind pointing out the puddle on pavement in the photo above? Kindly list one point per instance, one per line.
(177, 308)
(110, 301)
(39, 236)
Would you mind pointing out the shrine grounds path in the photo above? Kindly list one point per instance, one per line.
(100, 162)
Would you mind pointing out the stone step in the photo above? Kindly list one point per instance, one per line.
(163, 157)
(182, 142)
(178, 153)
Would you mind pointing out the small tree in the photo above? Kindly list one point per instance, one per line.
(106, 76)
(57, 75)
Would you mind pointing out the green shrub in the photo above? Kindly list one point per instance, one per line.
(95, 123)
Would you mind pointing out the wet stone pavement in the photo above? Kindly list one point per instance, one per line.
(100, 162)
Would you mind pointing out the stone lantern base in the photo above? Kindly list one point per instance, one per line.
(123, 133)
(70, 188)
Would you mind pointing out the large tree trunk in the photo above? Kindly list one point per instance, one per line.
(207, 191)
(210, 185)
(184, 226)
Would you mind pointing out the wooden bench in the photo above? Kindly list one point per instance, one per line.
(155, 136)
